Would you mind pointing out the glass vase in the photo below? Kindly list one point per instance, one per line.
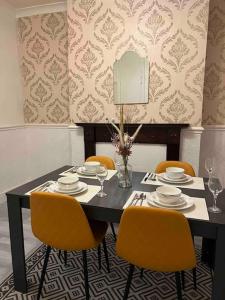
(124, 175)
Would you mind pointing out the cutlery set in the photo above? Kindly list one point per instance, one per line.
(150, 176)
(138, 197)
(72, 170)
(43, 187)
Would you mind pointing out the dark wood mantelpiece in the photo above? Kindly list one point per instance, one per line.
(167, 134)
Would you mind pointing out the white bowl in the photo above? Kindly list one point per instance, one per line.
(68, 182)
(92, 166)
(168, 194)
(174, 172)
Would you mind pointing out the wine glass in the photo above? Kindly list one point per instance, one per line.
(210, 165)
(215, 188)
(101, 175)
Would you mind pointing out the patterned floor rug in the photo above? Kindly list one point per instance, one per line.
(66, 282)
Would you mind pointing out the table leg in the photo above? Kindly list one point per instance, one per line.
(17, 243)
(218, 292)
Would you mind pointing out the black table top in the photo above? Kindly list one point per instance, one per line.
(110, 207)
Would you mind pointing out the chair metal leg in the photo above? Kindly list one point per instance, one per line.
(178, 284)
(106, 255)
(43, 271)
(84, 254)
(113, 230)
(65, 258)
(142, 273)
(183, 279)
(130, 275)
(99, 257)
(194, 278)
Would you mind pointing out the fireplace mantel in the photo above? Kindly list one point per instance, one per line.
(166, 134)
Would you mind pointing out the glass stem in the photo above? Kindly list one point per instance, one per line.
(102, 187)
(215, 199)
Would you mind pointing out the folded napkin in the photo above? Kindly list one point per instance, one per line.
(197, 211)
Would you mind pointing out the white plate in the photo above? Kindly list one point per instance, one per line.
(83, 171)
(183, 178)
(166, 179)
(77, 188)
(157, 201)
(188, 203)
(82, 187)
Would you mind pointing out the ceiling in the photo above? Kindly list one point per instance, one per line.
(28, 3)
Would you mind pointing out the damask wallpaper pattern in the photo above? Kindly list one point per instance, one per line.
(67, 70)
(172, 34)
(43, 48)
(214, 89)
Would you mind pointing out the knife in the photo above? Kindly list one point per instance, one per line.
(147, 175)
(136, 197)
(43, 187)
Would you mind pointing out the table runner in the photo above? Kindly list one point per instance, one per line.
(111, 173)
(198, 211)
(197, 183)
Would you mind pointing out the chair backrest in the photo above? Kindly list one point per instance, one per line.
(105, 160)
(156, 239)
(60, 222)
(188, 169)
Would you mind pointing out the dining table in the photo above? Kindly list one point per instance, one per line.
(110, 209)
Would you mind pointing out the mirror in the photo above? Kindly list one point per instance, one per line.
(130, 79)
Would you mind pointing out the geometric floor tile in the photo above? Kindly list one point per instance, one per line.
(66, 282)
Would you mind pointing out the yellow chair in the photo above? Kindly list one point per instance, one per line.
(188, 169)
(60, 222)
(109, 163)
(104, 160)
(155, 239)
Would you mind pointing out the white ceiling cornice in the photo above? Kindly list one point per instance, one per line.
(41, 9)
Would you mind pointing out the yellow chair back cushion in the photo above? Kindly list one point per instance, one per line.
(188, 169)
(156, 239)
(60, 222)
(105, 160)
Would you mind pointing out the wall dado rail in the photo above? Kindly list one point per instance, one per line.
(167, 134)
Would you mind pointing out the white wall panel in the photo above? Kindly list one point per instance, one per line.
(29, 151)
(213, 145)
(143, 158)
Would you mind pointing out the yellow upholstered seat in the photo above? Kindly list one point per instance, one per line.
(188, 169)
(155, 239)
(104, 160)
(59, 222)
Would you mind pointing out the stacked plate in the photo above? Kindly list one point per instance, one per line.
(80, 188)
(184, 202)
(84, 171)
(183, 179)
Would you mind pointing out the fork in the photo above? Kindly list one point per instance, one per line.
(72, 170)
(136, 197)
(43, 187)
(139, 198)
(143, 197)
(153, 177)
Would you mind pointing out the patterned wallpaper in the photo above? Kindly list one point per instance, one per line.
(43, 48)
(214, 89)
(172, 34)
